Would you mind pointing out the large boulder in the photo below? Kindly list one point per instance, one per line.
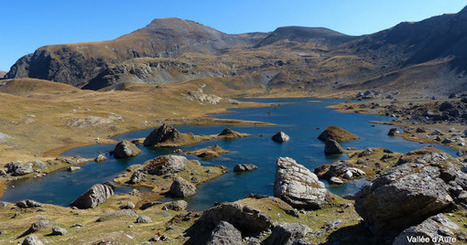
(298, 186)
(32, 240)
(162, 134)
(165, 164)
(18, 168)
(287, 233)
(225, 233)
(182, 188)
(93, 197)
(403, 196)
(28, 204)
(281, 137)
(437, 229)
(337, 134)
(332, 147)
(126, 149)
(247, 220)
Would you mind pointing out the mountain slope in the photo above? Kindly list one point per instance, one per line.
(2, 74)
(77, 63)
(321, 37)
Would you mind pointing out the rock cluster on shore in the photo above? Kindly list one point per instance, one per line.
(409, 193)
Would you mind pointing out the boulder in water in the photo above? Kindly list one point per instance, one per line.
(332, 147)
(281, 137)
(244, 167)
(162, 134)
(126, 149)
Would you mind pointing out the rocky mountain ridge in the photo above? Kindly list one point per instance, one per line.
(295, 58)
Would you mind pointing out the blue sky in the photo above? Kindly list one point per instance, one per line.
(26, 25)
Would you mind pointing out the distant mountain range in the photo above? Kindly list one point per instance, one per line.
(429, 54)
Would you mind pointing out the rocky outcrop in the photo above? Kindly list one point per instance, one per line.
(437, 229)
(161, 134)
(287, 234)
(245, 167)
(297, 186)
(337, 134)
(406, 194)
(126, 149)
(281, 137)
(247, 220)
(182, 188)
(225, 233)
(332, 147)
(165, 164)
(209, 152)
(19, 168)
(93, 197)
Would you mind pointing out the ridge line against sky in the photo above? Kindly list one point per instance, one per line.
(29, 24)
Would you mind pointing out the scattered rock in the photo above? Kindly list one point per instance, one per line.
(182, 188)
(281, 137)
(165, 164)
(28, 204)
(126, 149)
(59, 231)
(93, 197)
(143, 219)
(19, 168)
(100, 158)
(150, 204)
(297, 186)
(337, 134)
(245, 167)
(431, 229)
(287, 233)
(135, 178)
(225, 233)
(128, 205)
(32, 240)
(420, 130)
(39, 164)
(419, 192)
(177, 205)
(38, 225)
(161, 134)
(332, 147)
(119, 213)
(244, 218)
(335, 180)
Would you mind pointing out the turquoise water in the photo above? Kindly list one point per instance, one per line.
(302, 121)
